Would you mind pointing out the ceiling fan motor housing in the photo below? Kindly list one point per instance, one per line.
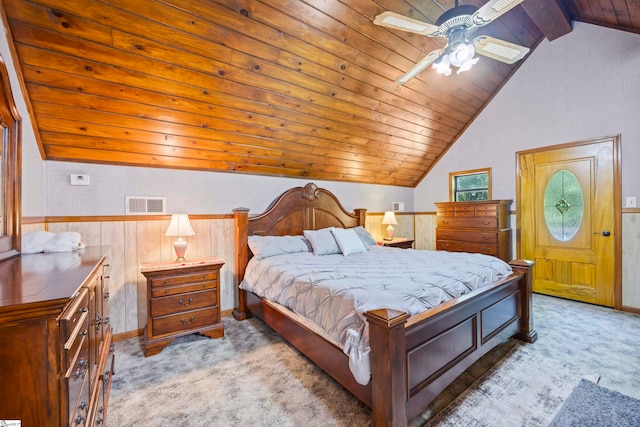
(459, 16)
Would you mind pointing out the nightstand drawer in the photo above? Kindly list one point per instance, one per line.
(185, 321)
(183, 302)
(181, 279)
(183, 289)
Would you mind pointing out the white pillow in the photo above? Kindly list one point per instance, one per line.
(365, 236)
(268, 246)
(322, 241)
(348, 241)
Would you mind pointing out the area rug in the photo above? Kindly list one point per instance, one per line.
(523, 389)
(591, 405)
(253, 377)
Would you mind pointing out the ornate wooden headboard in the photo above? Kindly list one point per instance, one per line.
(295, 210)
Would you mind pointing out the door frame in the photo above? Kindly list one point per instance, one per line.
(617, 202)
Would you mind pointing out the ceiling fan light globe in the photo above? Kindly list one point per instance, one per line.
(467, 65)
(441, 65)
(461, 54)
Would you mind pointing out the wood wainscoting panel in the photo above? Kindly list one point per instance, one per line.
(425, 231)
(630, 251)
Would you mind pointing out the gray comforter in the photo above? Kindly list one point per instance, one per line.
(334, 291)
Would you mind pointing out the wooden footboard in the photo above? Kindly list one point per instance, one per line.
(413, 358)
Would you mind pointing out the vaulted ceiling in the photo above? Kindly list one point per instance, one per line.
(302, 88)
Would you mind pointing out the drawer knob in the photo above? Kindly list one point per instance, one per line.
(184, 322)
(80, 373)
(184, 304)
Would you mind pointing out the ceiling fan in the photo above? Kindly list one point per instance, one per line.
(457, 24)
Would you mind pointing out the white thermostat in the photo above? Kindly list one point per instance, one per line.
(80, 179)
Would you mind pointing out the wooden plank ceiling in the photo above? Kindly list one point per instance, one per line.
(301, 88)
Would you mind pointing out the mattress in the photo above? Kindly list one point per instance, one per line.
(333, 291)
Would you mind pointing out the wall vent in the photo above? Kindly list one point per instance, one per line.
(398, 206)
(144, 205)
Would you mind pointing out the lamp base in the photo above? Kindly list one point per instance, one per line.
(389, 232)
(180, 246)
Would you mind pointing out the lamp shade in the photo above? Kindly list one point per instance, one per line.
(389, 218)
(179, 226)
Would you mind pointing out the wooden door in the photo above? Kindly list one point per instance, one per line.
(568, 220)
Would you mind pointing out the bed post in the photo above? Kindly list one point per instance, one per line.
(362, 216)
(525, 267)
(241, 221)
(388, 367)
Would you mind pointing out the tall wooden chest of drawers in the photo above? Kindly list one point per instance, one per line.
(481, 227)
(182, 298)
(56, 355)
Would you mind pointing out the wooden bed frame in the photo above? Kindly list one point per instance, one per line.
(413, 358)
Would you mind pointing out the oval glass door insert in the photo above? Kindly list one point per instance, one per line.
(563, 205)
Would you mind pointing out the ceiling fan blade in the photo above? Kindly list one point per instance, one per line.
(404, 23)
(424, 63)
(493, 9)
(499, 49)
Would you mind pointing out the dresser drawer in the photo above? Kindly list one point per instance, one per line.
(464, 211)
(185, 321)
(466, 235)
(71, 318)
(454, 246)
(468, 222)
(76, 378)
(184, 288)
(183, 302)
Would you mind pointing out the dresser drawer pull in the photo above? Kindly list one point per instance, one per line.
(184, 322)
(486, 237)
(83, 405)
(184, 304)
(82, 363)
(80, 420)
(445, 221)
(80, 373)
(106, 296)
(84, 309)
(486, 222)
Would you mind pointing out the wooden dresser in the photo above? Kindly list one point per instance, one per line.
(56, 356)
(182, 298)
(481, 227)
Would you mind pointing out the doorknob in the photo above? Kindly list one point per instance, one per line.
(605, 233)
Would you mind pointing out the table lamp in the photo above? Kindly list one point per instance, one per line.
(180, 227)
(390, 220)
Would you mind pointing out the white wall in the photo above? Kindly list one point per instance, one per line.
(193, 192)
(33, 177)
(581, 86)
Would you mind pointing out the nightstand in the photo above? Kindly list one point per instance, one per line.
(182, 298)
(399, 242)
